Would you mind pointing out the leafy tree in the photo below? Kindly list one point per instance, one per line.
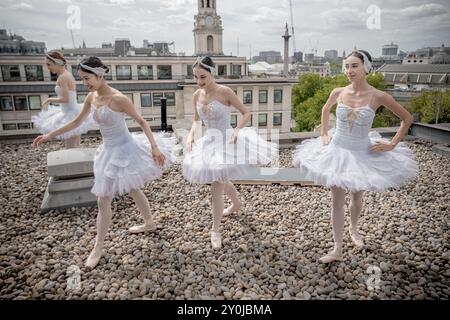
(307, 87)
(312, 91)
(429, 103)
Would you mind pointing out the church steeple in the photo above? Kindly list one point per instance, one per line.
(208, 29)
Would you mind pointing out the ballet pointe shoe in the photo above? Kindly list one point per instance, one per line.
(232, 209)
(335, 255)
(146, 227)
(356, 238)
(216, 240)
(94, 257)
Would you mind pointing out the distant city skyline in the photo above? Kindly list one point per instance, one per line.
(257, 25)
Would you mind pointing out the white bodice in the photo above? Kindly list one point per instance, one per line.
(112, 126)
(71, 104)
(215, 115)
(353, 126)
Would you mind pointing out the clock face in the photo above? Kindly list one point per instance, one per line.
(209, 20)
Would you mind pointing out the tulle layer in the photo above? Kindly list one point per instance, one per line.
(54, 118)
(353, 169)
(213, 158)
(119, 169)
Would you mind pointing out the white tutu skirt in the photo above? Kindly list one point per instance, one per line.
(355, 170)
(213, 158)
(120, 168)
(54, 118)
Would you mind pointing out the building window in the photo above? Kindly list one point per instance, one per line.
(24, 126)
(34, 102)
(190, 72)
(6, 104)
(75, 72)
(34, 73)
(233, 120)
(222, 70)
(156, 97)
(81, 98)
(247, 96)
(20, 103)
(9, 126)
(262, 120)
(210, 43)
(53, 76)
(145, 72)
(277, 119)
(146, 100)
(278, 96)
(170, 96)
(165, 72)
(123, 72)
(236, 70)
(11, 73)
(130, 97)
(262, 96)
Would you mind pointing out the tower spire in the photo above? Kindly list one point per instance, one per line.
(208, 38)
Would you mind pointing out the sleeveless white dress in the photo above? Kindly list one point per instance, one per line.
(124, 161)
(347, 162)
(58, 116)
(213, 158)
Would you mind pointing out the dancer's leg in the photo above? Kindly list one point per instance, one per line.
(337, 220)
(231, 192)
(217, 189)
(144, 208)
(104, 218)
(355, 212)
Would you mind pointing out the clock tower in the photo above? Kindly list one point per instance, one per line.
(208, 29)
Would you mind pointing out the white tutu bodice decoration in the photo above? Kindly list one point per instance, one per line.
(214, 158)
(347, 162)
(58, 116)
(124, 161)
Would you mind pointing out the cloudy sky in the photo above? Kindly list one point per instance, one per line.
(257, 25)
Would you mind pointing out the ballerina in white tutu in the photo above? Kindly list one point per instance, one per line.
(223, 153)
(68, 108)
(353, 158)
(125, 162)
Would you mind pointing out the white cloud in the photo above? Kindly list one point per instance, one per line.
(326, 24)
(179, 5)
(343, 18)
(22, 6)
(121, 2)
(178, 19)
(422, 11)
(124, 23)
(268, 15)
